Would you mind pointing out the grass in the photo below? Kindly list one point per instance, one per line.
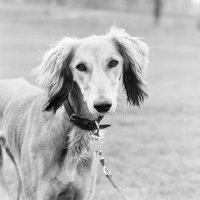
(153, 151)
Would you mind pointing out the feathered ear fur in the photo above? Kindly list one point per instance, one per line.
(135, 54)
(54, 74)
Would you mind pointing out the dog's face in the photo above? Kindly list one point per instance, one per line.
(95, 64)
(96, 68)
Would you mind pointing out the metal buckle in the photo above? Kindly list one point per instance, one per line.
(72, 118)
(77, 117)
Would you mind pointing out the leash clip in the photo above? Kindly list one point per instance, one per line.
(96, 132)
(106, 171)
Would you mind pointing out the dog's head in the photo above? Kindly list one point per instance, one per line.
(95, 65)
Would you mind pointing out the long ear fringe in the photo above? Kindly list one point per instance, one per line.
(54, 74)
(52, 62)
(135, 54)
(64, 85)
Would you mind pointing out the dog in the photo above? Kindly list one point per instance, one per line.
(52, 153)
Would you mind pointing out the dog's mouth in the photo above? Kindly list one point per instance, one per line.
(99, 118)
(66, 195)
(96, 117)
(99, 115)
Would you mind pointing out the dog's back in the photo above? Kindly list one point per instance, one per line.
(9, 88)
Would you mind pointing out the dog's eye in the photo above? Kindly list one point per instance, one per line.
(81, 67)
(112, 63)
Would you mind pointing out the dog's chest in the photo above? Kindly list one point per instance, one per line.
(74, 175)
(71, 168)
(76, 163)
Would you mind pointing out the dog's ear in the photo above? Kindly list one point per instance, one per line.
(135, 55)
(54, 74)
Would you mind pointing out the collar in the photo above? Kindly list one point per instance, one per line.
(81, 122)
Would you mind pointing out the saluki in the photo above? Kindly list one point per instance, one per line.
(51, 146)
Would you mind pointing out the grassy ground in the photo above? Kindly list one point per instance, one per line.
(153, 151)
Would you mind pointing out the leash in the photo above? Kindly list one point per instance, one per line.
(96, 144)
(109, 175)
(96, 147)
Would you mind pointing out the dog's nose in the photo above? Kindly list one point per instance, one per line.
(102, 106)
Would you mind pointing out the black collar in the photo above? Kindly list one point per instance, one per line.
(81, 122)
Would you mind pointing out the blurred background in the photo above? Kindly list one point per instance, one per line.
(153, 151)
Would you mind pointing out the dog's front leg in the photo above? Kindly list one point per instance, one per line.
(93, 177)
(37, 170)
(33, 185)
(87, 179)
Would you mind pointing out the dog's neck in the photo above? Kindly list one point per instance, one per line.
(78, 144)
